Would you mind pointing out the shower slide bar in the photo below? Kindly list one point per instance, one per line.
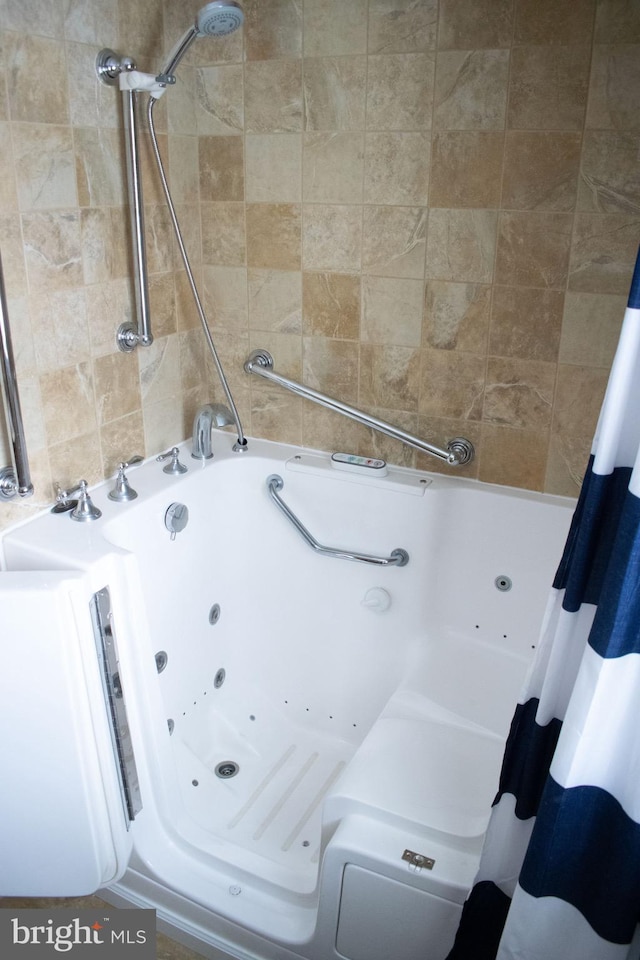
(459, 450)
(14, 481)
(398, 558)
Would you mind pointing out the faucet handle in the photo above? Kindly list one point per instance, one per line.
(85, 509)
(64, 501)
(174, 467)
(123, 491)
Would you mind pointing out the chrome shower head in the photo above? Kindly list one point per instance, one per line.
(216, 19)
(219, 18)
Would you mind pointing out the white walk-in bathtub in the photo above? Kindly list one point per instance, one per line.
(311, 744)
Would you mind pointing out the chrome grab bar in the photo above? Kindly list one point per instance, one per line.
(398, 558)
(13, 482)
(459, 450)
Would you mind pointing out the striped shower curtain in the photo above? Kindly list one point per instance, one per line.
(559, 877)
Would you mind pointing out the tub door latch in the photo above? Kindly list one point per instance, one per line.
(418, 861)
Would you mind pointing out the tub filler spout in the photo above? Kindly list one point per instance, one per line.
(209, 416)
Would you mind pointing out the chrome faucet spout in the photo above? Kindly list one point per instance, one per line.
(209, 416)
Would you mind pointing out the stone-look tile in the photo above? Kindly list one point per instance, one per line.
(397, 168)
(391, 311)
(17, 238)
(221, 168)
(526, 323)
(541, 170)
(187, 316)
(533, 249)
(461, 245)
(184, 169)
(548, 87)
(512, 457)
(456, 316)
(8, 193)
(615, 87)
(121, 440)
(554, 21)
(22, 338)
(276, 415)
(159, 370)
(151, 183)
(99, 167)
(53, 250)
(274, 168)
(332, 237)
(590, 328)
(610, 172)
(32, 416)
(389, 377)
(332, 167)
(331, 366)
(475, 24)
(579, 395)
(603, 252)
(330, 431)
(162, 304)
(116, 385)
(142, 25)
(471, 89)
(223, 234)
(466, 169)
(566, 465)
(90, 104)
(273, 29)
(68, 402)
(519, 393)
(334, 28)
(36, 79)
(331, 305)
(181, 106)
(108, 305)
(617, 21)
(76, 459)
(400, 91)
(275, 300)
(59, 324)
(219, 100)
(163, 425)
(45, 166)
(335, 93)
(402, 26)
(92, 21)
(274, 235)
(394, 241)
(193, 362)
(104, 246)
(451, 384)
(273, 97)
(162, 250)
(224, 297)
(20, 17)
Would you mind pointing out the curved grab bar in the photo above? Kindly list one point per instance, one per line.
(398, 558)
(459, 450)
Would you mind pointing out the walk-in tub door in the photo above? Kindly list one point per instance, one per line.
(64, 829)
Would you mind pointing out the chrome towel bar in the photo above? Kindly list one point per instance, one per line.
(13, 483)
(459, 450)
(398, 558)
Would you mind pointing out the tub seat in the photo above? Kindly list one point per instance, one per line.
(423, 767)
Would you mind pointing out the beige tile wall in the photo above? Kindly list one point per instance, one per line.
(429, 209)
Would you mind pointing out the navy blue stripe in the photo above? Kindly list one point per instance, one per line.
(616, 627)
(634, 292)
(585, 849)
(481, 924)
(590, 542)
(527, 758)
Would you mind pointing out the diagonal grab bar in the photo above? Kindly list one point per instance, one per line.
(398, 558)
(459, 450)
